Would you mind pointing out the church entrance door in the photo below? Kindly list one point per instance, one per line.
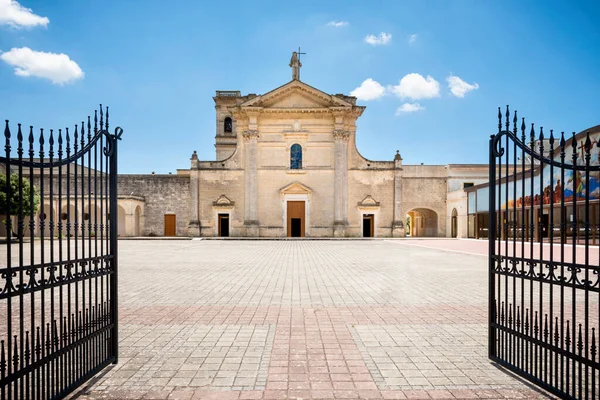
(295, 218)
(368, 220)
(224, 225)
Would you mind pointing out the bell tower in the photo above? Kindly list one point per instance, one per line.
(226, 127)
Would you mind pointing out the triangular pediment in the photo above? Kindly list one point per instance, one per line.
(296, 94)
(295, 188)
(368, 202)
(223, 201)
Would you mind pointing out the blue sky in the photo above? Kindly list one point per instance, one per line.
(157, 65)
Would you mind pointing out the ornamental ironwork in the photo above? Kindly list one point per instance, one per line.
(544, 288)
(58, 274)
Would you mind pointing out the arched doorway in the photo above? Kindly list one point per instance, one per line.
(121, 221)
(137, 217)
(454, 223)
(423, 222)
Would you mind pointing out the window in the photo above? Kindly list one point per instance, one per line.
(296, 156)
(468, 184)
(228, 125)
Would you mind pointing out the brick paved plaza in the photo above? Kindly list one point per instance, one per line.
(368, 319)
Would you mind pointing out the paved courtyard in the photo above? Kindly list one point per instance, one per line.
(368, 319)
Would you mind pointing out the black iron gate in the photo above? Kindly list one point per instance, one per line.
(544, 229)
(58, 273)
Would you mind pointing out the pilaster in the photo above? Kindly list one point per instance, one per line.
(194, 224)
(398, 229)
(250, 182)
(340, 221)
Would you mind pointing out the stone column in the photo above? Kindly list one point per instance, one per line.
(194, 228)
(399, 217)
(250, 183)
(340, 207)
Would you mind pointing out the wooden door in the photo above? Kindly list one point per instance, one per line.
(295, 218)
(170, 226)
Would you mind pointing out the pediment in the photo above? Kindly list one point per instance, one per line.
(296, 94)
(223, 201)
(368, 202)
(295, 188)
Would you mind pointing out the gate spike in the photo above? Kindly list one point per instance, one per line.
(546, 328)
(20, 135)
(82, 134)
(532, 137)
(7, 130)
(51, 139)
(510, 315)
(556, 336)
(31, 139)
(89, 130)
(541, 141)
(38, 347)
(73, 328)
(593, 346)
(2, 359)
(41, 140)
(523, 127)
(580, 341)
(75, 137)
(518, 318)
(507, 118)
(527, 321)
(65, 335)
(551, 141)
(101, 118)
(48, 338)
(562, 141)
(55, 335)
(27, 353)
(95, 121)
(588, 143)
(16, 354)
(106, 123)
(535, 325)
(515, 123)
(568, 336)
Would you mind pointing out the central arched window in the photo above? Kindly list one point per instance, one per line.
(228, 125)
(296, 156)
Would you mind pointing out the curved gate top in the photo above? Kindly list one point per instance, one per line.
(544, 231)
(58, 260)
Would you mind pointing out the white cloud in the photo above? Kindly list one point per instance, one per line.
(409, 108)
(58, 68)
(458, 87)
(15, 15)
(415, 86)
(412, 39)
(368, 90)
(338, 24)
(383, 38)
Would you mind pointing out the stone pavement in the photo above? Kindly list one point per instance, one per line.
(373, 319)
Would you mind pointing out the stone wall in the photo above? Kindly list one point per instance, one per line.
(163, 194)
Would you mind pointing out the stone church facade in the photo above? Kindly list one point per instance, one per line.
(287, 165)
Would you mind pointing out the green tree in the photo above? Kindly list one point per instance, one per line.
(15, 202)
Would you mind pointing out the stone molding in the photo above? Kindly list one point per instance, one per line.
(251, 135)
(341, 135)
